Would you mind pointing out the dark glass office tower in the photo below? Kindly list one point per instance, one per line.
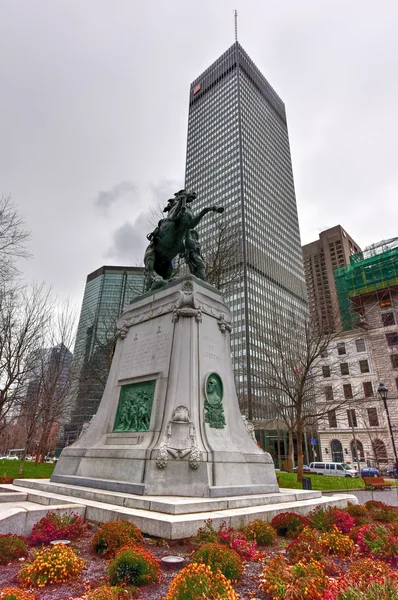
(238, 156)
(108, 291)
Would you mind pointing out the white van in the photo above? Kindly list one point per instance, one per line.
(336, 469)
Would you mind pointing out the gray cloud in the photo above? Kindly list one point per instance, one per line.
(103, 102)
(122, 190)
(129, 242)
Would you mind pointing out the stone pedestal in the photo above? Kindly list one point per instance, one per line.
(169, 423)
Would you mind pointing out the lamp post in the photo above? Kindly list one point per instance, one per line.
(383, 392)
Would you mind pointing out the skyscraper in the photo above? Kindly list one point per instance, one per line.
(333, 249)
(108, 290)
(238, 156)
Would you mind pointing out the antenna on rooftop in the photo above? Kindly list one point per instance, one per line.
(236, 25)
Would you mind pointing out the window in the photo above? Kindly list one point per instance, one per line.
(344, 369)
(360, 345)
(324, 353)
(388, 319)
(373, 417)
(347, 391)
(392, 338)
(352, 418)
(326, 371)
(337, 451)
(332, 418)
(341, 348)
(328, 392)
(367, 389)
(364, 366)
(385, 303)
(396, 383)
(394, 361)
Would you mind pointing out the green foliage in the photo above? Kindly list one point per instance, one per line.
(198, 582)
(114, 535)
(12, 547)
(105, 592)
(261, 532)
(320, 482)
(206, 534)
(54, 564)
(289, 524)
(218, 556)
(388, 590)
(134, 566)
(31, 470)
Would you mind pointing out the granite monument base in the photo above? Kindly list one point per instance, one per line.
(169, 423)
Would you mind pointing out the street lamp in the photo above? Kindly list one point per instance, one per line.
(383, 393)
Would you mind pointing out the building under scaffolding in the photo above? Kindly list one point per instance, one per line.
(371, 272)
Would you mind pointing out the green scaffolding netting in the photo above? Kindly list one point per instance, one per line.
(364, 276)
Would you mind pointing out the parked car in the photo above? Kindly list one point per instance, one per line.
(392, 473)
(370, 472)
(11, 457)
(306, 469)
(332, 468)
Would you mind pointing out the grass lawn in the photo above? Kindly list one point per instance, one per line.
(320, 482)
(31, 470)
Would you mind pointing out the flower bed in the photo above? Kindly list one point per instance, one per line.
(320, 563)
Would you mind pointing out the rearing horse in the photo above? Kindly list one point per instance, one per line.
(168, 239)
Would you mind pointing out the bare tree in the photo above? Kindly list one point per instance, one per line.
(48, 391)
(24, 315)
(222, 254)
(13, 238)
(293, 379)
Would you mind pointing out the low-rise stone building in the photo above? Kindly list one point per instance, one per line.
(361, 358)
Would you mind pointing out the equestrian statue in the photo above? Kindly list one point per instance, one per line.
(174, 235)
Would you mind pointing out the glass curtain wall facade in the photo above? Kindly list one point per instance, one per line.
(108, 291)
(238, 156)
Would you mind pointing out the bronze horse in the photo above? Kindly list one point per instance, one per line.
(168, 238)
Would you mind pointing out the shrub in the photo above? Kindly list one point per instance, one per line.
(238, 542)
(12, 547)
(260, 531)
(197, 581)
(13, 593)
(305, 547)
(385, 515)
(134, 566)
(359, 513)
(111, 593)
(218, 556)
(56, 564)
(366, 578)
(365, 568)
(309, 582)
(378, 541)
(386, 590)
(112, 536)
(289, 524)
(336, 544)
(55, 526)
(372, 505)
(303, 580)
(325, 520)
(275, 578)
(206, 534)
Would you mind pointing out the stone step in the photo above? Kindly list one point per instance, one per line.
(166, 504)
(236, 512)
(19, 516)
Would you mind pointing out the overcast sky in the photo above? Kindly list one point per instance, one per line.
(94, 107)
